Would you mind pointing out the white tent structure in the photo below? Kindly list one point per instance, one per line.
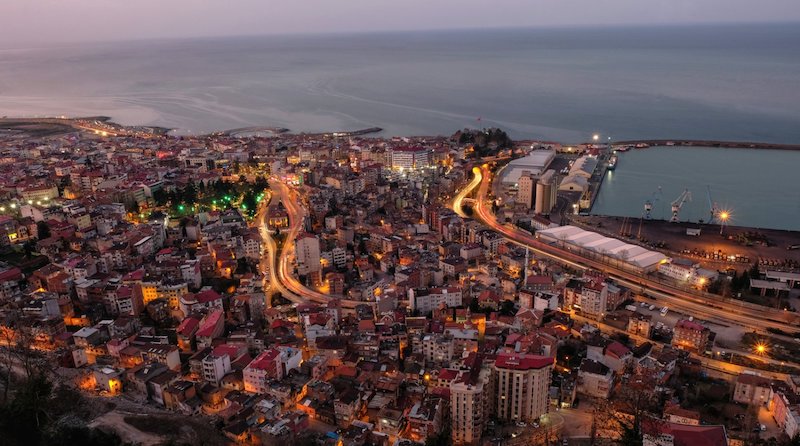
(637, 257)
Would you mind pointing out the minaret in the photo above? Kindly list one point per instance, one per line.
(527, 262)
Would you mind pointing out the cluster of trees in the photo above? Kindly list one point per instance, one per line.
(742, 282)
(486, 142)
(507, 308)
(737, 283)
(220, 193)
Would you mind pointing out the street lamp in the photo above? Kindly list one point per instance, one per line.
(761, 348)
(723, 218)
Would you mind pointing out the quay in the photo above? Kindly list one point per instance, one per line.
(709, 143)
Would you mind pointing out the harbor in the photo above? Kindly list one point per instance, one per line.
(751, 188)
(646, 143)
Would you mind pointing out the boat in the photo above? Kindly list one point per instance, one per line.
(642, 145)
(612, 163)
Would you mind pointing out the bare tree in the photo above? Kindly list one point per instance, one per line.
(623, 416)
(6, 359)
(23, 352)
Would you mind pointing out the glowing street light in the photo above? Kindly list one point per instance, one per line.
(723, 218)
(595, 137)
(761, 348)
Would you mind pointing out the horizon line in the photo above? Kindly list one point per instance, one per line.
(342, 33)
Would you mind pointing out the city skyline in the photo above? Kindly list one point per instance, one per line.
(39, 22)
(447, 223)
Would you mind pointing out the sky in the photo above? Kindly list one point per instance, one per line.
(37, 22)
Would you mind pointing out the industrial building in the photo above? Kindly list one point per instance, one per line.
(536, 162)
(546, 192)
(538, 192)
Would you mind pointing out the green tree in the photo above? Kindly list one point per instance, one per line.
(261, 183)
(507, 308)
(249, 202)
(43, 230)
(189, 193)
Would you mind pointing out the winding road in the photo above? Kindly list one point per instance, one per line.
(278, 263)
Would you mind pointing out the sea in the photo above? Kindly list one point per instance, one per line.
(757, 188)
(730, 82)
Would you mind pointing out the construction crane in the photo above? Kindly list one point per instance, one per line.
(712, 205)
(648, 205)
(678, 204)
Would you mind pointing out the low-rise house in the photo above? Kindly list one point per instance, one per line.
(752, 389)
(595, 379)
(690, 335)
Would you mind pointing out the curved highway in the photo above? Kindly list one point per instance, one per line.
(281, 271)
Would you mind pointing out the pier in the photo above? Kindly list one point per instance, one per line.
(709, 143)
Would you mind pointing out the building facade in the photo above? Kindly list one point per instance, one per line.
(522, 382)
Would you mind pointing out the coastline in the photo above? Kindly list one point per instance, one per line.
(710, 143)
(79, 123)
(105, 125)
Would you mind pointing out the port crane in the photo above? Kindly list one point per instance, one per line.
(648, 205)
(678, 204)
(712, 205)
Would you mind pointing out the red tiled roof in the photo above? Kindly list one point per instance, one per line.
(187, 326)
(617, 349)
(318, 319)
(448, 374)
(753, 380)
(522, 362)
(689, 325)
(225, 349)
(277, 323)
(134, 276)
(688, 435)
(539, 280)
(11, 274)
(210, 323)
(207, 296)
(265, 360)
(444, 392)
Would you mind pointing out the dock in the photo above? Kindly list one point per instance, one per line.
(709, 143)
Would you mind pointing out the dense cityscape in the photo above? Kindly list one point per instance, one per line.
(342, 289)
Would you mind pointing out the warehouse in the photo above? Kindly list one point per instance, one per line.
(536, 162)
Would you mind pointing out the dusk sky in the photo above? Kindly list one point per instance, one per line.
(25, 22)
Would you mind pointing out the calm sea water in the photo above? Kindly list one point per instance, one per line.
(731, 82)
(760, 188)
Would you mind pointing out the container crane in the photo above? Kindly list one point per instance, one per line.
(678, 204)
(648, 205)
(712, 205)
